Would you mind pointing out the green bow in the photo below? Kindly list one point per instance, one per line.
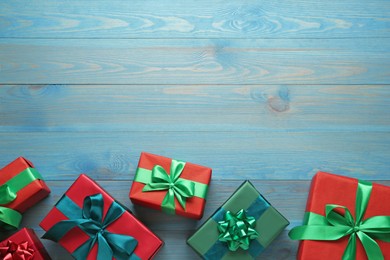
(9, 218)
(177, 188)
(334, 226)
(92, 222)
(237, 230)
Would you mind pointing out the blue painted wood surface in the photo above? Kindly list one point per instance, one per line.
(259, 90)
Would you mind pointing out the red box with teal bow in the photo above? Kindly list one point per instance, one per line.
(90, 224)
(25, 245)
(345, 218)
(21, 187)
(170, 185)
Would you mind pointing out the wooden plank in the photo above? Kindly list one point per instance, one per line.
(92, 61)
(352, 108)
(175, 247)
(232, 155)
(195, 19)
(289, 197)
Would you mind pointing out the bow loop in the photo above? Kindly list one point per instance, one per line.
(176, 187)
(185, 189)
(93, 208)
(237, 230)
(113, 213)
(9, 218)
(335, 218)
(177, 168)
(160, 175)
(377, 224)
(6, 194)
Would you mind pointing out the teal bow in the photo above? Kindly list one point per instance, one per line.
(177, 188)
(334, 226)
(9, 218)
(237, 230)
(109, 244)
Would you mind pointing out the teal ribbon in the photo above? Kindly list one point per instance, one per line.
(334, 226)
(237, 230)
(92, 222)
(9, 218)
(177, 187)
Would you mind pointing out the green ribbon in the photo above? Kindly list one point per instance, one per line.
(177, 188)
(6, 194)
(237, 230)
(334, 226)
(92, 222)
(9, 218)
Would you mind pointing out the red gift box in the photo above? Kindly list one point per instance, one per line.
(126, 224)
(28, 245)
(29, 195)
(334, 189)
(201, 175)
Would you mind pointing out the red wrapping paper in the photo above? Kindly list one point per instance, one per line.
(127, 224)
(328, 188)
(29, 195)
(29, 235)
(194, 206)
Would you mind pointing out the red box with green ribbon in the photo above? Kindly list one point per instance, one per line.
(90, 224)
(21, 187)
(170, 185)
(241, 229)
(25, 245)
(345, 218)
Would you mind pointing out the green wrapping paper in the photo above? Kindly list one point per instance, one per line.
(269, 223)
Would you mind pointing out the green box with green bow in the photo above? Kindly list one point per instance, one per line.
(241, 229)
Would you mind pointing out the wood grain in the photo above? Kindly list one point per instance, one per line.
(232, 155)
(194, 61)
(281, 108)
(195, 19)
(259, 90)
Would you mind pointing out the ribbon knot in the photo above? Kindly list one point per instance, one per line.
(356, 229)
(92, 222)
(9, 218)
(177, 188)
(237, 230)
(335, 225)
(14, 251)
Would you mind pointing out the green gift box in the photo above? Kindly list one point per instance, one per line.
(241, 229)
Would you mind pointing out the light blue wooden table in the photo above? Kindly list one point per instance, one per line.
(262, 90)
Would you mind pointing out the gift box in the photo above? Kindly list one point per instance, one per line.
(90, 224)
(173, 186)
(25, 245)
(241, 229)
(340, 212)
(21, 187)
